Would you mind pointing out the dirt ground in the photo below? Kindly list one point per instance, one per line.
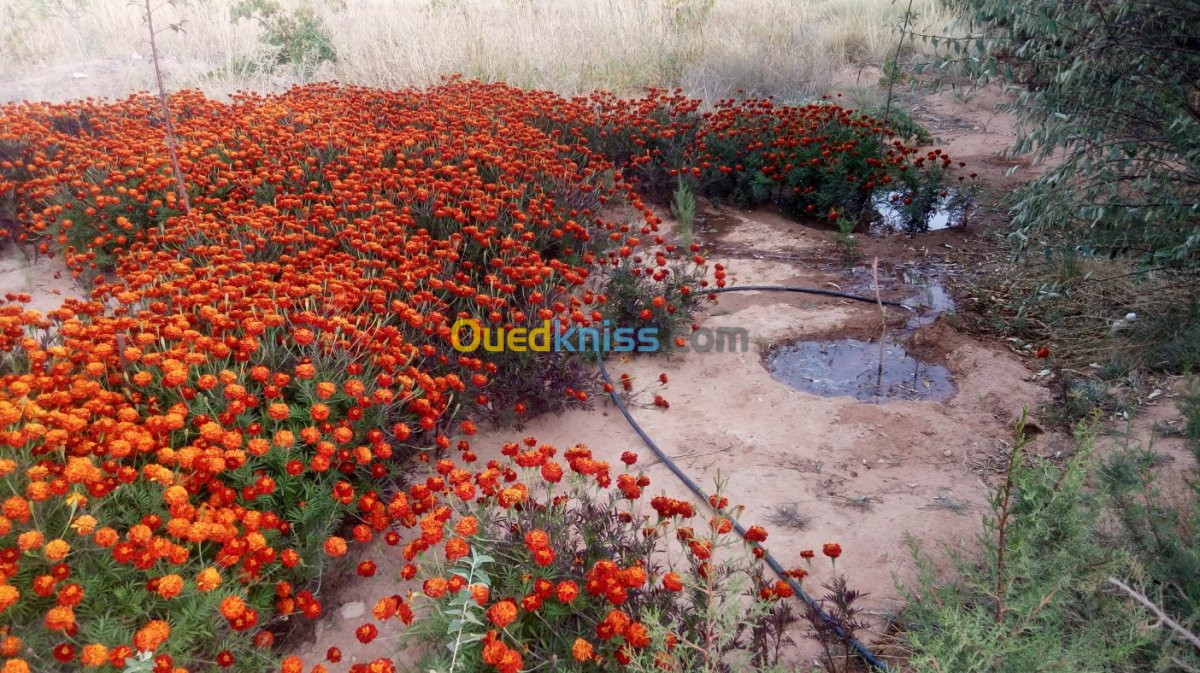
(811, 469)
(45, 280)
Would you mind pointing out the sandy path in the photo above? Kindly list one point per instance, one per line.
(46, 280)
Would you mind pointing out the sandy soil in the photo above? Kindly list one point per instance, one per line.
(45, 280)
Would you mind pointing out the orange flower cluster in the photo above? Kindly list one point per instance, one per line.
(292, 330)
(243, 375)
(504, 658)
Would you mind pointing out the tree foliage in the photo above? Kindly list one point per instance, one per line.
(1109, 90)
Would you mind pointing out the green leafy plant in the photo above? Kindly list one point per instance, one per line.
(297, 37)
(463, 612)
(1160, 526)
(900, 122)
(846, 242)
(1106, 87)
(1104, 95)
(1038, 598)
(683, 208)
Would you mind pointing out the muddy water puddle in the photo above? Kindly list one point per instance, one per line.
(923, 285)
(949, 209)
(851, 368)
(931, 298)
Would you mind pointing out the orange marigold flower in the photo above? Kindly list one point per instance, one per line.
(84, 525)
(335, 546)
(543, 556)
(151, 636)
(832, 550)
(10, 645)
(435, 587)
(60, 618)
(634, 576)
(208, 579)
(503, 613)
(16, 507)
(456, 548)
(386, 607)
(106, 537)
(566, 591)
(366, 633)
(57, 550)
(15, 666)
(467, 526)
(94, 655)
(232, 607)
(8, 595)
(169, 586)
(637, 635)
(672, 582)
(284, 439)
(480, 593)
(30, 540)
(536, 539)
(264, 639)
(582, 650)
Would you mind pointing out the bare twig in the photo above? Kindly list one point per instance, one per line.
(1183, 666)
(1029, 617)
(1162, 616)
(172, 146)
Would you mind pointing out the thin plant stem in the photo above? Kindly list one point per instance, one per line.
(887, 108)
(882, 322)
(172, 143)
(1002, 517)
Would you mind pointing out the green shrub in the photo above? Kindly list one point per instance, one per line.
(899, 121)
(683, 208)
(296, 38)
(1108, 90)
(1037, 598)
(1160, 526)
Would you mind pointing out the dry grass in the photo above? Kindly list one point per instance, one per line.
(1077, 309)
(65, 49)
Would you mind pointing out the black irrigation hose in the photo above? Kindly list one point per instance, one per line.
(807, 290)
(854, 643)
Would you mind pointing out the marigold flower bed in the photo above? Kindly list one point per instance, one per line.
(185, 451)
